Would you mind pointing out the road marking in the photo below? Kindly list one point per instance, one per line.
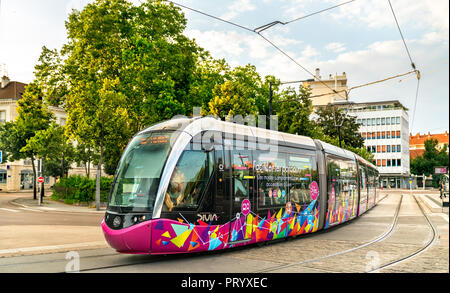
(48, 209)
(25, 209)
(9, 210)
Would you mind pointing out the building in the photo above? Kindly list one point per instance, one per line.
(321, 88)
(385, 130)
(417, 142)
(18, 175)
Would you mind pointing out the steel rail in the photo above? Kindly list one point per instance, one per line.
(378, 239)
(433, 238)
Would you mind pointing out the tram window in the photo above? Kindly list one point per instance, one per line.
(189, 180)
(341, 178)
(272, 178)
(301, 173)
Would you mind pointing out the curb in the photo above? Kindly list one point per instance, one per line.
(55, 209)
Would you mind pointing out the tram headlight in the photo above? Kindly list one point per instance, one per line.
(117, 221)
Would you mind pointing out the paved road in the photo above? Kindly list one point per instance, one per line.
(25, 230)
(410, 233)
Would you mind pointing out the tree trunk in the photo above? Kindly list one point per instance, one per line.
(99, 170)
(62, 166)
(34, 178)
(42, 184)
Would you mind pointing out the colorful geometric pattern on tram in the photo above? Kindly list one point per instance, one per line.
(170, 236)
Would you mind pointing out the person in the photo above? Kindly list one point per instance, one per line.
(176, 189)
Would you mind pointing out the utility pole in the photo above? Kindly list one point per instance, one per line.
(270, 98)
(338, 125)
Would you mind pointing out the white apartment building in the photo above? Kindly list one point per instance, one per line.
(385, 129)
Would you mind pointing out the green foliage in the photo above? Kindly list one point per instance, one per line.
(294, 111)
(51, 145)
(329, 117)
(431, 158)
(241, 93)
(80, 189)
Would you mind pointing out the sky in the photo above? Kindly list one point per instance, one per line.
(359, 38)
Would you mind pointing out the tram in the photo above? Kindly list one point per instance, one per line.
(202, 184)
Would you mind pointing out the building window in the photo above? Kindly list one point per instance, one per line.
(388, 134)
(398, 120)
(383, 134)
(388, 121)
(369, 122)
(378, 135)
(2, 117)
(398, 133)
(378, 121)
(393, 134)
(3, 176)
(374, 150)
(388, 163)
(383, 121)
(393, 162)
(384, 163)
(399, 148)
(364, 135)
(399, 162)
(392, 120)
(384, 149)
(388, 148)
(378, 162)
(364, 122)
(378, 149)
(393, 149)
(369, 135)
(369, 149)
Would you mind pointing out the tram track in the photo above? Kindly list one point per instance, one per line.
(380, 238)
(159, 258)
(429, 243)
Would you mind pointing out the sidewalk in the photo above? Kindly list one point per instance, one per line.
(54, 206)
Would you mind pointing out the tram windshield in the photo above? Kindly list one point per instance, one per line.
(137, 178)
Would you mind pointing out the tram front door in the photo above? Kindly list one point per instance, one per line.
(243, 179)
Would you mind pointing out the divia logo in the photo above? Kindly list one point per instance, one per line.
(245, 207)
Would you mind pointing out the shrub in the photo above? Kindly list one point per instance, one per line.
(80, 189)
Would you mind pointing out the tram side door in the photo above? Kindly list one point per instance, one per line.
(242, 187)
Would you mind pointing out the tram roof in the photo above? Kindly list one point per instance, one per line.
(194, 126)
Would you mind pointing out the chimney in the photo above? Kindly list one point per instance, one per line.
(317, 76)
(5, 81)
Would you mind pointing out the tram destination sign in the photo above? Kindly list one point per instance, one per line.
(440, 170)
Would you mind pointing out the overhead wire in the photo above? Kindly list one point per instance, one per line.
(266, 26)
(413, 65)
(333, 91)
(263, 37)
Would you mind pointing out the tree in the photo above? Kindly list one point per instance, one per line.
(347, 128)
(52, 147)
(431, 158)
(242, 93)
(99, 118)
(33, 116)
(294, 111)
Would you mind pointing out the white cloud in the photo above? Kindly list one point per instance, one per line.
(238, 7)
(309, 52)
(335, 47)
